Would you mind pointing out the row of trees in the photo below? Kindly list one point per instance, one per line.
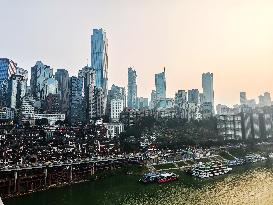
(171, 133)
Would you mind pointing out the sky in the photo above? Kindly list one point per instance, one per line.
(231, 38)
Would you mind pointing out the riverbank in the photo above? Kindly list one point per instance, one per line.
(251, 181)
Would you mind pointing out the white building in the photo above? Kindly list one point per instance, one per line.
(52, 118)
(6, 113)
(27, 110)
(117, 106)
(114, 129)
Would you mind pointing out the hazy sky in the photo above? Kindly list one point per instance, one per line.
(231, 38)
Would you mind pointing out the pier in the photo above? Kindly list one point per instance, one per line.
(16, 181)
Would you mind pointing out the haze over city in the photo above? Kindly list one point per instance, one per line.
(232, 39)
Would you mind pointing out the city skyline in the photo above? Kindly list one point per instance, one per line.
(223, 48)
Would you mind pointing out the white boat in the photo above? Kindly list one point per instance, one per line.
(1, 202)
(209, 169)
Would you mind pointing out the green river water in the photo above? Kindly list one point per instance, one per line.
(248, 184)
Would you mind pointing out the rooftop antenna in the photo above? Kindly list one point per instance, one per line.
(87, 62)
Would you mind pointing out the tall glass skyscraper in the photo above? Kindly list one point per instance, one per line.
(39, 74)
(132, 89)
(76, 102)
(208, 92)
(17, 87)
(160, 85)
(7, 69)
(99, 57)
(62, 77)
(193, 96)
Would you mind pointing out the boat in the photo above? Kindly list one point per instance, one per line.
(270, 155)
(159, 177)
(209, 169)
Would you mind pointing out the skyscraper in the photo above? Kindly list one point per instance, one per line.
(160, 85)
(62, 77)
(17, 87)
(193, 96)
(88, 76)
(208, 92)
(99, 57)
(243, 99)
(39, 73)
(76, 114)
(7, 69)
(132, 89)
(153, 99)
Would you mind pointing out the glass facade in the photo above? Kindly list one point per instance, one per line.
(7, 69)
(99, 57)
(160, 85)
(132, 88)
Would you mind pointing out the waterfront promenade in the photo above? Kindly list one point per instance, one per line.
(18, 180)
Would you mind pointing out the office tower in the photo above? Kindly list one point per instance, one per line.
(117, 106)
(7, 69)
(88, 76)
(132, 89)
(99, 61)
(76, 114)
(193, 96)
(160, 85)
(99, 57)
(208, 92)
(243, 99)
(17, 87)
(39, 73)
(62, 77)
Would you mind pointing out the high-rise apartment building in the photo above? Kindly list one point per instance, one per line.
(116, 108)
(50, 86)
(116, 93)
(132, 88)
(160, 85)
(7, 69)
(76, 108)
(243, 98)
(153, 99)
(88, 76)
(180, 98)
(62, 77)
(193, 96)
(17, 88)
(208, 92)
(39, 74)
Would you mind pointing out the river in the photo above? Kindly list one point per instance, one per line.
(248, 184)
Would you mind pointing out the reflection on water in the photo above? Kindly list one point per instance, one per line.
(254, 187)
(243, 186)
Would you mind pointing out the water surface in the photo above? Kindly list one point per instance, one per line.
(245, 185)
